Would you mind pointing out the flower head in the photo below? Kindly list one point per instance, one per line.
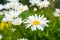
(36, 22)
(44, 3)
(57, 13)
(21, 8)
(34, 2)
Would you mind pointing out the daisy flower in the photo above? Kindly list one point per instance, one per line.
(44, 3)
(36, 22)
(57, 13)
(17, 21)
(34, 2)
(12, 14)
(11, 5)
(21, 8)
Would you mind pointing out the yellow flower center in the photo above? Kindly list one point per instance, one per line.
(43, 4)
(36, 22)
(21, 9)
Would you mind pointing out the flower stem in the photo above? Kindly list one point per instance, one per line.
(35, 38)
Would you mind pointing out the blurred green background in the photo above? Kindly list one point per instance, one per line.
(50, 33)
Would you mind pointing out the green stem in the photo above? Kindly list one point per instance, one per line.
(35, 38)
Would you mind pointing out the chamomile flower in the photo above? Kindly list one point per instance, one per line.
(36, 22)
(44, 4)
(57, 13)
(21, 8)
(22, 39)
(17, 21)
(34, 2)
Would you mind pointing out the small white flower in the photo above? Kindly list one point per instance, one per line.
(17, 21)
(21, 8)
(34, 2)
(44, 3)
(57, 13)
(35, 9)
(11, 5)
(22, 39)
(1, 36)
(36, 22)
(12, 14)
(1, 6)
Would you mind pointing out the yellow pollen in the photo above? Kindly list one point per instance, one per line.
(36, 22)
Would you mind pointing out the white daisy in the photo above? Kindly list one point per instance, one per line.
(44, 3)
(21, 8)
(11, 5)
(1, 36)
(57, 13)
(22, 39)
(12, 14)
(36, 22)
(17, 21)
(34, 2)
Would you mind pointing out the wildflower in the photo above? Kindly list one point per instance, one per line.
(36, 22)
(34, 2)
(57, 13)
(11, 5)
(44, 4)
(21, 8)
